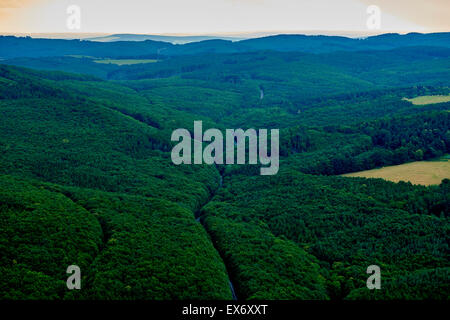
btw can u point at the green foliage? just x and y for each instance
(337, 149)
(427, 282)
(43, 232)
(86, 176)
(263, 266)
(346, 225)
(153, 249)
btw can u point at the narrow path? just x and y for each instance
(198, 219)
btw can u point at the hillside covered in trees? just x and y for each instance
(86, 176)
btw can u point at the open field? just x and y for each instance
(420, 172)
(418, 101)
(121, 62)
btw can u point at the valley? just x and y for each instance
(87, 179)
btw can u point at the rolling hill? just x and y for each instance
(86, 175)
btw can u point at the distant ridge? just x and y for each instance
(13, 47)
(170, 39)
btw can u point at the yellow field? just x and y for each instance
(419, 101)
(121, 62)
(420, 172)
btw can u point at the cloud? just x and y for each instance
(216, 16)
(12, 4)
(11, 13)
(18, 4)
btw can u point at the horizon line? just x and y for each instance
(249, 34)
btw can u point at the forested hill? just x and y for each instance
(12, 47)
(85, 181)
(86, 176)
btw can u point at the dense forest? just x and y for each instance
(86, 176)
(30, 47)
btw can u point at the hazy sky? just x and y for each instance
(222, 16)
